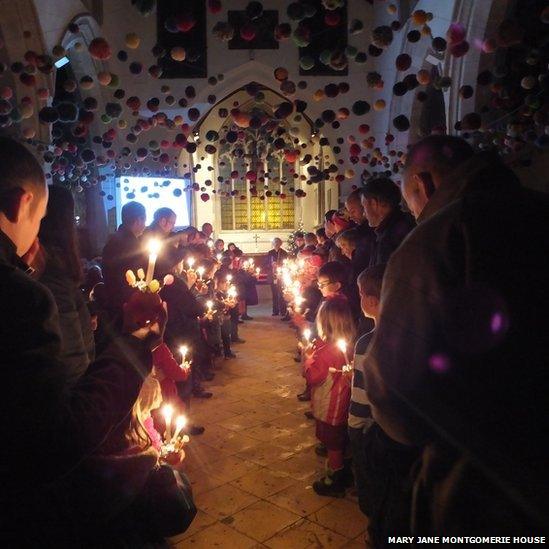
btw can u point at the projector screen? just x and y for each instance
(154, 193)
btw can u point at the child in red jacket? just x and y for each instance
(331, 389)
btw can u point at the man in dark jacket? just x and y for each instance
(43, 423)
(173, 249)
(275, 259)
(458, 364)
(122, 252)
(381, 200)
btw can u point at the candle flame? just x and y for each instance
(167, 412)
(180, 422)
(154, 246)
(183, 350)
(209, 304)
(229, 278)
(307, 334)
(200, 270)
(342, 344)
(190, 262)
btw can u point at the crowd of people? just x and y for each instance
(99, 370)
(434, 419)
(418, 337)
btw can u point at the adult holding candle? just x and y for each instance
(161, 228)
(123, 251)
(183, 325)
(275, 259)
(64, 424)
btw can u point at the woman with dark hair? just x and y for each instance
(62, 274)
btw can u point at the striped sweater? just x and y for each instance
(360, 415)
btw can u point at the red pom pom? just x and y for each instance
(99, 49)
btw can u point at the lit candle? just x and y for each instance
(342, 344)
(183, 350)
(200, 272)
(229, 278)
(153, 246)
(209, 304)
(307, 336)
(219, 257)
(210, 244)
(167, 412)
(257, 271)
(232, 292)
(180, 423)
(190, 262)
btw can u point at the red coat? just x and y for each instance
(169, 372)
(330, 392)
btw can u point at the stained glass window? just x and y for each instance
(243, 211)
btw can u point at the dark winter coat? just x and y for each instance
(77, 343)
(389, 234)
(183, 312)
(275, 259)
(122, 252)
(458, 364)
(46, 427)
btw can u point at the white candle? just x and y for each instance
(190, 262)
(183, 350)
(180, 422)
(342, 344)
(219, 257)
(167, 412)
(200, 272)
(153, 247)
(209, 304)
(229, 278)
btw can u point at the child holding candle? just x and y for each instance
(330, 391)
(224, 304)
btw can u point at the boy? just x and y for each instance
(332, 278)
(360, 417)
(381, 465)
(224, 304)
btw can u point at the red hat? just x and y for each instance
(340, 221)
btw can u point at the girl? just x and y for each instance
(330, 390)
(141, 433)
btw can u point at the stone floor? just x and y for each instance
(253, 467)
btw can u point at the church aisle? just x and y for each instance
(252, 469)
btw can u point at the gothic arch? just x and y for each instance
(317, 194)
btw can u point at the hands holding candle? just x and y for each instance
(185, 364)
(210, 311)
(172, 445)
